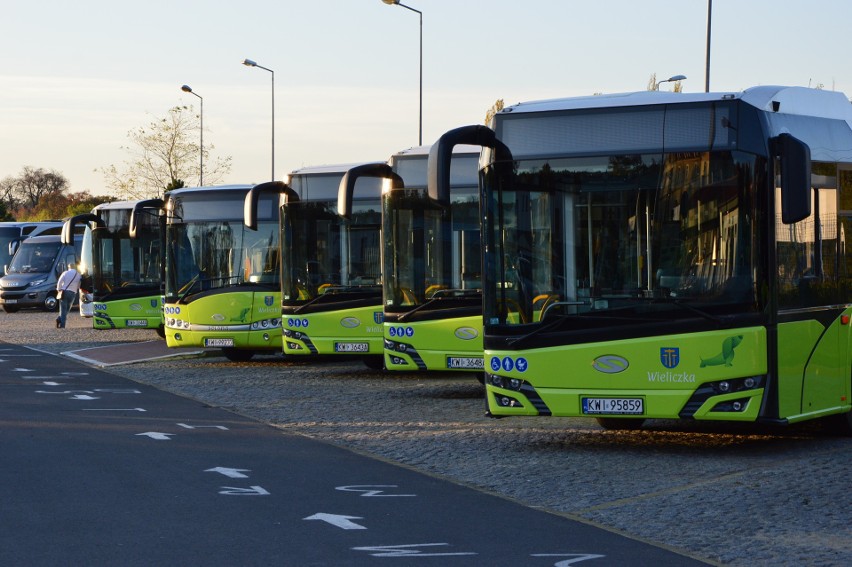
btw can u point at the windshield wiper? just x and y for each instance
(438, 296)
(189, 285)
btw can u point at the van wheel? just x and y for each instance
(11, 308)
(50, 303)
(620, 424)
(237, 354)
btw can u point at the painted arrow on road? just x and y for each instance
(156, 435)
(230, 473)
(341, 522)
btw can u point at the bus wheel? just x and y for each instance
(840, 424)
(161, 331)
(620, 424)
(237, 354)
(375, 362)
(11, 308)
(50, 303)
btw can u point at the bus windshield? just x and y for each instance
(621, 240)
(122, 266)
(430, 251)
(208, 255)
(327, 253)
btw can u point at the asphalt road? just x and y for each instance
(101, 470)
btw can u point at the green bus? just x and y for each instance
(331, 293)
(432, 266)
(222, 280)
(124, 267)
(668, 255)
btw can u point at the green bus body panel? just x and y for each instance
(814, 368)
(116, 314)
(692, 360)
(435, 343)
(325, 329)
(245, 317)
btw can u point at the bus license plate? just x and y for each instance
(10, 300)
(218, 342)
(471, 362)
(351, 347)
(137, 322)
(614, 406)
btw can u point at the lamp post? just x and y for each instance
(669, 80)
(397, 2)
(250, 63)
(707, 56)
(188, 89)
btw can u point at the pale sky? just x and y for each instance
(75, 77)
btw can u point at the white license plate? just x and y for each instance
(9, 300)
(472, 362)
(614, 406)
(137, 322)
(351, 347)
(218, 342)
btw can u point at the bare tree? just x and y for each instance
(164, 153)
(30, 187)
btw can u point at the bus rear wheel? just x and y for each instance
(620, 424)
(237, 354)
(11, 308)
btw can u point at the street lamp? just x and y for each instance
(188, 89)
(669, 80)
(397, 2)
(250, 63)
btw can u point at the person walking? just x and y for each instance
(66, 292)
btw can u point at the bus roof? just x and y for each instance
(326, 169)
(790, 100)
(234, 187)
(423, 151)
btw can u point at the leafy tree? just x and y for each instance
(4, 213)
(495, 108)
(23, 193)
(162, 154)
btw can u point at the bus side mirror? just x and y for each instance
(795, 179)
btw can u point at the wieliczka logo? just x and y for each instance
(670, 356)
(379, 317)
(268, 300)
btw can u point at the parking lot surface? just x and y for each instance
(729, 494)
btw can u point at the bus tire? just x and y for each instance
(237, 354)
(376, 362)
(11, 308)
(161, 331)
(620, 424)
(840, 424)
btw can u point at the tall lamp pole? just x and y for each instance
(672, 79)
(188, 89)
(707, 58)
(397, 2)
(250, 63)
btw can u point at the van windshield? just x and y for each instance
(34, 258)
